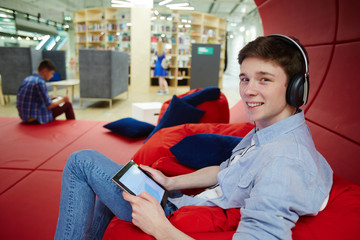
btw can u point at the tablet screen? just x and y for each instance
(133, 180)
(138, 182)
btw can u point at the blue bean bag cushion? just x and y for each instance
(130, 127)
(205, 94)
(178, 112)
(204, 149)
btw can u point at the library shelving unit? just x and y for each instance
(103, 29)
(179, 30)
(110, 28)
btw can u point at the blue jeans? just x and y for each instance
(89, 197)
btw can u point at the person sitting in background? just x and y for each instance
(159, 70)
(33, 101)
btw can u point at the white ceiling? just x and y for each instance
(233, 10)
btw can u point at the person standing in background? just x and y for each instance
(159, 70)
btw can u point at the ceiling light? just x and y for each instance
(128, 5)
(182, 8)
(119, 2)
(178, 5)
(164, 2)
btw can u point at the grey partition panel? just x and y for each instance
(16, 64)
(59, 59)
(119, 72)
(103, 73)
(205, 65)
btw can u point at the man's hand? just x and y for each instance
(57, 101)
(158, 176)
(150, 217)
(66, 99)
(147, 213)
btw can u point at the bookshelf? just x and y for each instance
(110, 29)
(186, 28)
(102, 29)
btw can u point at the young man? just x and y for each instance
(274, 175)
(33, 101)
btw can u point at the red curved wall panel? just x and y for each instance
(337, 105)
(320, 61)
(329, 31)
(313, 22)
(348, 29)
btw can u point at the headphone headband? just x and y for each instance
(292, 42)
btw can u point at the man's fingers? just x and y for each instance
(148, 197)
(144, 196)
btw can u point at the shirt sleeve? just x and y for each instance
(43, 93)
(278, 196)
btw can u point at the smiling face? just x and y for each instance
(263, 91)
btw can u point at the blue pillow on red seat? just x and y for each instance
(178, 112)
(205, 94)
(204, 149)
(130, 127)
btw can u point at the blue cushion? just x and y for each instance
(204, 149)
(206, 94)
(56, 77)
(178, 112)
(130, 127)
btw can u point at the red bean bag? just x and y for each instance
(216, 111)
(339, 220)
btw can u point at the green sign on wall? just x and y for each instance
(205, 50)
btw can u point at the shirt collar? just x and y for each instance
(38, 76)
(279, 128)
(267, 134)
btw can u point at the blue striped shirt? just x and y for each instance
(282, 177)
(33, 99)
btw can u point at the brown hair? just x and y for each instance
(288, 57)
(46, 64)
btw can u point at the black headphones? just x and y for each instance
(298, 89)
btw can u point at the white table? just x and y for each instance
(69, 84)
(146, 111)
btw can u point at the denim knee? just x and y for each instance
(81, 157)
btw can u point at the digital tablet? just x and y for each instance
(134, 180)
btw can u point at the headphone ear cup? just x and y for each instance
(295, 91)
